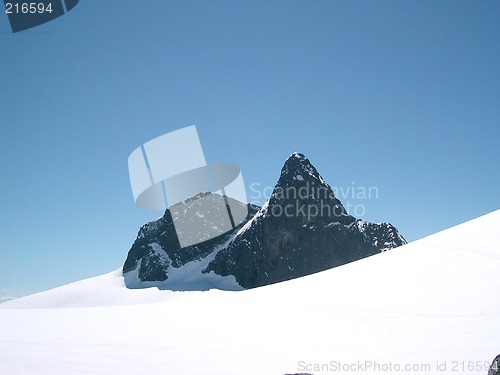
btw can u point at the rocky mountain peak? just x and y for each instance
(303, 228)
(302, 194)
(298, 168)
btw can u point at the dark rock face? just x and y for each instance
(495, 366)
(302, 229)
(157, 248)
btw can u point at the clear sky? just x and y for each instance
(403, 96)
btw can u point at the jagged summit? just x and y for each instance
(298, 170)
(297, 164)
(302, 190)
(303, 228)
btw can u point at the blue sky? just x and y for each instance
(398, 95)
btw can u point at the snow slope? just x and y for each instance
(432, 305)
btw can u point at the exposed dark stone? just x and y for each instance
(153, 264)
(495, 366)
(302, 229)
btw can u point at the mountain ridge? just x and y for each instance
(302, 229)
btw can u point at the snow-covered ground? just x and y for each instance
(433, 305)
